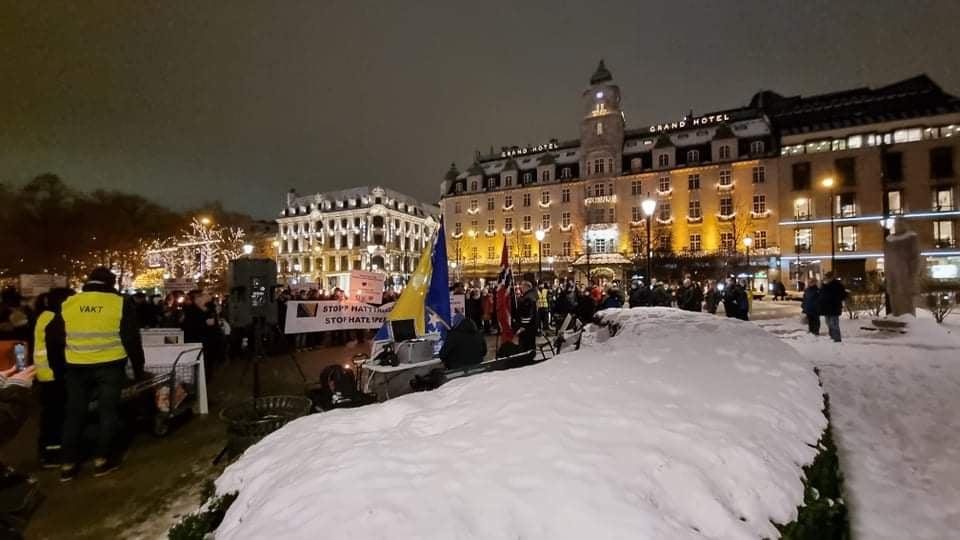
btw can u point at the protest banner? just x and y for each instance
(35, 284)
(178, 285)
(366, 287)
(458, 304)
(327, 315)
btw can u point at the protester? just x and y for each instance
(14, 317)
(832, 295)
(97, 332)
(639, 295)
(611, 298)
(464, 345)
(689, 296)
(50, 379)
(712, 297)
(735, 302)
(543, 307)
(486, 309)
(811, 307)
(528, 325)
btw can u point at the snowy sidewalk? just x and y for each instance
(895, 403)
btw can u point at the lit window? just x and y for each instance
(565, 195)
(527, 252)
(545, 221)
(725, 177)
(693, 182)
(694, 242)
(565, 248)
(894, 202)
(474, 205)
(907, 135)
(760, 239)
(457, 229)
(490, 203)
(759, 204)
(526, 199)
(491, 225)
(508, 224)
(726, 241)
(694, 209)
(664, 184)
(545, 249)
(838, 144)
(845, 205)
(801, 209)
(802, 240)
(943, 234)
(726, 205)
(507, 201)
(635, 214)
(663, 209)
(565, 219)
(847, 238)
(635, 187)
(491, 253)
(759, 175)
(457, 207)
(943, 199)
(545, 197)
(527, 220)
(599, 128)
(664, 241)
(854, 142)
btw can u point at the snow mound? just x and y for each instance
(681, 425)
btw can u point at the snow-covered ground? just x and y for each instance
(895, 404)
(680, 426)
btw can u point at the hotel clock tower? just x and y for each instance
(601, 128)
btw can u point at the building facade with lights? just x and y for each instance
(323, 236)
(720, 180)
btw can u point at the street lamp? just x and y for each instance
(747, 242)
(248, 249)
(540, 236)
(649, 206)
(370, 249)
(796, 233)
(205, 220)
(828, 183)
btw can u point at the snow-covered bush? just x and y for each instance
(681, 425)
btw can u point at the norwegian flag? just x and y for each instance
(505, 295)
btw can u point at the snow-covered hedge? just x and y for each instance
(681, 425)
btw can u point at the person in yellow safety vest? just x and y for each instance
(96, 331)
(543, 307)
(53, 391)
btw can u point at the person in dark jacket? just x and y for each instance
(105, 376)
(612, 299)
(660, 296)
(50, 379)
(735, 302)
(832, 295)
(811, 307)
(712, 297)
(585, 307)
(464, 345)
(689, 296)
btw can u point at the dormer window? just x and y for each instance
(565, 173)
(473, 185)
(508, 180)
(545, 176)
(757, 147)
(491, 183)
(693, 156)
(600, 108)
(599, 128)
(724, 151)
(527, 178)
(459, 188)
(663, 160)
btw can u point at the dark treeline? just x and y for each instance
(47, 226)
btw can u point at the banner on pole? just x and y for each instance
(366, 287)
(327, 315)
(458, 304)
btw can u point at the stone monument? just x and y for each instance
(902, 264)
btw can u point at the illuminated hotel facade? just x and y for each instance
(721, 180)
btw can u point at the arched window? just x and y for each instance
(663, 160)
(757, 147)
(725, 152)
(693, 156)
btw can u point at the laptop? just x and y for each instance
(403, 330)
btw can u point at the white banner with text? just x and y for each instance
(324, 316)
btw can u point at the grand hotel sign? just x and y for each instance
(687, 121)
(532, 149)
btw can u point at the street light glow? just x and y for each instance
(748, 241)
(540, 235)
(828, 182)
(205, 220)
(247, 249)
(649, 206)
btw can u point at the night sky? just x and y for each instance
(184, 102)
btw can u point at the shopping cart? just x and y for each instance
(170, 392)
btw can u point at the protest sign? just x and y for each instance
(323, 316)
(366, 287)
(179, 284)
(458, 304)
(35, 284)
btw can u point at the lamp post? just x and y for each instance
(828, 183)
(540, 236)
(248, 249)
(796, 234)
(370, 249)
(747, 242)
(473, 248)
(649, 206)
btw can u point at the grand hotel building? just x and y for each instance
(751, 172)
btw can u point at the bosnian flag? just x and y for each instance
(505, 296)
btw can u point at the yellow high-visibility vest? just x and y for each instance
(92, 322)
(44, 373)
